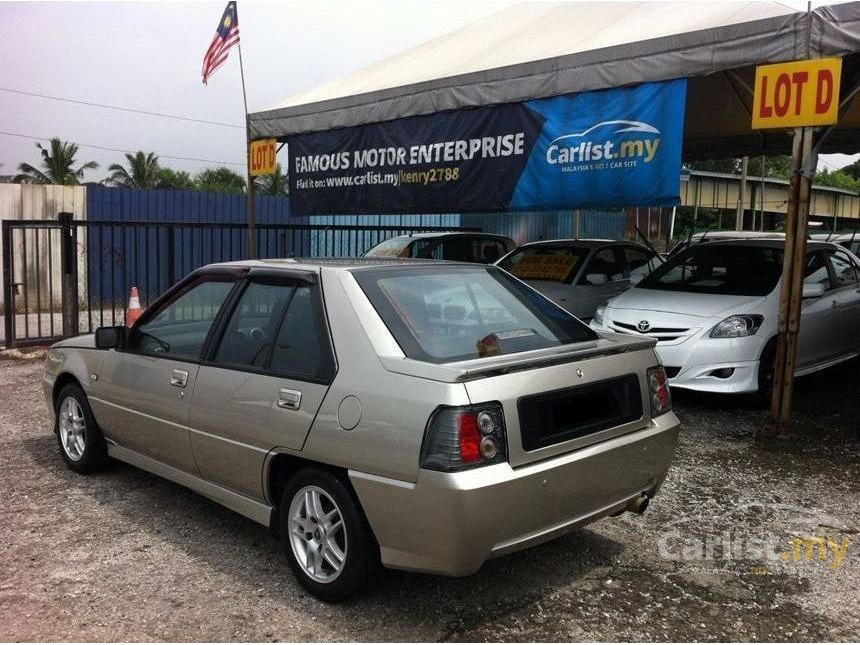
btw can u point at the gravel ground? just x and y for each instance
(126, 556)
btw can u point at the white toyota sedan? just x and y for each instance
(713, 309)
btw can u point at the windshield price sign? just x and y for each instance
(264, 157)
(802, 93)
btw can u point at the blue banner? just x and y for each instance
(609, 148)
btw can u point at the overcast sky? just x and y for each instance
(148, 56)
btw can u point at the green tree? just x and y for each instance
(836, 178)
(778, 166)
(174, 179)
(853, 169)
(728, 166)
(142, 171)
(276, 185)
(220, 180)
(57, 167)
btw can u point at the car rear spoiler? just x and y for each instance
(472, 369)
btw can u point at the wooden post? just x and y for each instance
(794, 263)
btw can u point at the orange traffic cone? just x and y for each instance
(134, 310)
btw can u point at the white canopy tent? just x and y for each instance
(538, 50)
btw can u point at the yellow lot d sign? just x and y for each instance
(802, 93)
(264, 157)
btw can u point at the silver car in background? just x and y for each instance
(428, 414)
(580, 275)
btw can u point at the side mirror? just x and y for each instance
(813, 290)
(111, 337)
(596, 279)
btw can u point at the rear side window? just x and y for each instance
(458, 313)
(301, 346)
(844, 271)
(545, 262)
(640, 263)
(603, 267)
(279, 329)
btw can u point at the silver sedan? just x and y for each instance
(430, 415)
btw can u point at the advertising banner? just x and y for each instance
(609, 148)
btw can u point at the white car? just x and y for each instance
(580, 275)
(713, 309)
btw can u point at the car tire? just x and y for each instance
(327, 539)
(82, 444)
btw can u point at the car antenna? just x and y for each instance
(649, 245)
(704, 235)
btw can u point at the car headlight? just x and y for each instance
(737, 326)
(598, 315)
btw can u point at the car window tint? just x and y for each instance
(248, 335)
(844, 271)
(639, 263)
(457, 313)
(815, 271)
(602, 267)
(725, 269)
(545, 262)
(452, 248)
(486, 251)
(181, 327)
(301, 349)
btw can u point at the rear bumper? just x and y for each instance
(451, 523)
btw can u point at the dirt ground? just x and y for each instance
(126, 556)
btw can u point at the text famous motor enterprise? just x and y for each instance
(505, 145)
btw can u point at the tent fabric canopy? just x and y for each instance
(538, 50)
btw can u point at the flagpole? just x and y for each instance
(252, 219)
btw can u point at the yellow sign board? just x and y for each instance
(802, 93)
(544, 267)
(264, 157)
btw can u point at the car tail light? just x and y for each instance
(457, 438)
(658, 384)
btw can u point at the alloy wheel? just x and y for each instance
(72, 428)
(317, 534)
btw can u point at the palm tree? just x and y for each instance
(276, 185)
(142, 172)
(57, 165)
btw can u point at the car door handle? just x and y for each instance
(289, 399)
(179, 378)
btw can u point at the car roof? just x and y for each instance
(591, 242)
(432, 234)
(335, 264)
(767, 241)
(738, 235)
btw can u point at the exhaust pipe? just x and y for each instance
(638, 504)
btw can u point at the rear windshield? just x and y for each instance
(451, 313)
(545, 262)
(720, 269)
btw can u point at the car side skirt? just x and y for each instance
(252, 509)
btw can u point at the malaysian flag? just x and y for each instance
(226, 35)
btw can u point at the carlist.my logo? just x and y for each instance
(608, 144)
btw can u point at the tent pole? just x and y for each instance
(742, 195)
(794, 262)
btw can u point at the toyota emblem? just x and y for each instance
(643, 325)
